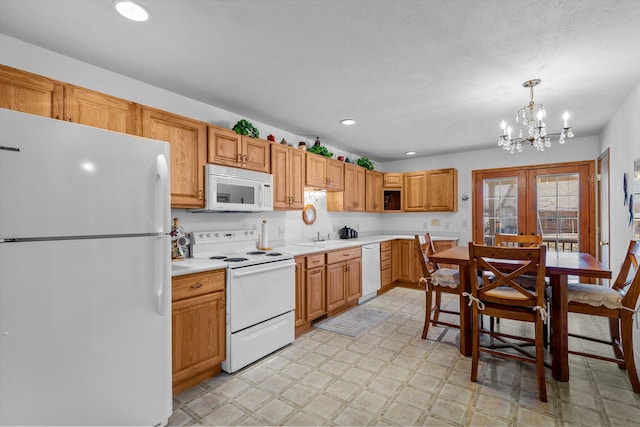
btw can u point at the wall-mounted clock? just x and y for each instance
(309, 214)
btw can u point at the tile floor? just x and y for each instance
(390, 376)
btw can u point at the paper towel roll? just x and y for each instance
(264, 239)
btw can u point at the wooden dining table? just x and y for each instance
(559, 265)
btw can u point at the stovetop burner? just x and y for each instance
(236, 259)
(218, 257)
(256, 253)
(273, 254)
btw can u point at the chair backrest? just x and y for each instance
(424, 249)
(518, 240)
(508, 265)
(627, 282)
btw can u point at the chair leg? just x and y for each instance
(475, 347)
(436, 309)
(614, 328)
(542, 387)
(627, 348)
(427, 314)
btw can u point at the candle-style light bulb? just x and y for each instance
(509, 131)
(503, 126)
(565, 117)
(540, 115)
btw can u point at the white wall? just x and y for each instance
(622, 137)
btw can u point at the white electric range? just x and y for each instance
(260, 294)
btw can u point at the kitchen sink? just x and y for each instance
(326, 244)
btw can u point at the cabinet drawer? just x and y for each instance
(315, 260)
(385, 246)
(197, 284)
(386, 264)
(343, 255)
(385, 255)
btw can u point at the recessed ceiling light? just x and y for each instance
(410, 153)
(132, 10)
(348, 122)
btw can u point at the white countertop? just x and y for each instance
(194, 265)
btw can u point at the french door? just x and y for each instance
(555, 200)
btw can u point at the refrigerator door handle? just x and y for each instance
(163, 185)
(163, 281)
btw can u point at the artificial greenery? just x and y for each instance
(320, 149)
(365, 163)
(244, 127)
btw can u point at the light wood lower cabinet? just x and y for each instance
(310, 290)
(385, 265)
(301, 306)
(408, 267)
(443, 245)
(316, 293)
(344, 279)
(197, 327)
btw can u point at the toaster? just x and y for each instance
(348, 233)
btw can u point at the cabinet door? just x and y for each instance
(316, 300)
(198, 335)
(354, 188)
(301, 294)
(256, 154)
(296, 178)
(353, 276)
(373, 191)
(443, 245)
(30, 93)
(442, 190)
(280, 164)
(392, 180)
(90, 108)
(316, 174)
(224, 147)
(334, 171)
(335, 286)
(188, 140)
(395, 260)
(415, 192)
(408, 261)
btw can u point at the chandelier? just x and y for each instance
(532, 117)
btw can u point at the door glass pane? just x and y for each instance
(558, 213)
(500, 207)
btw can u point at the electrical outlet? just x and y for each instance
(435, 222)
(281, 230)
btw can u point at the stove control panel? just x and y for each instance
(223, 236)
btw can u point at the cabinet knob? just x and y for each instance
(196, 286)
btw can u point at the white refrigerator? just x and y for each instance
(85, 320)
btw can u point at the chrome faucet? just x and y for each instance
(319, 239)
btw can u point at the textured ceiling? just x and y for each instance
(427, 76)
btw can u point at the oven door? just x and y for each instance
(260, 292)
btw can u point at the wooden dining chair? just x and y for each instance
(505, 298)
(618, 303)
(436, 280)
(526, 280)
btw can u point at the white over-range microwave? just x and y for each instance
(237, 190)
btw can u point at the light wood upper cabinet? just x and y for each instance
(334, 172)
(225, 147)
(30, 93)
(316, 173)
(373, 191)
(352, 199)
(392, 180)
(431, 191)
(188, 141)
(288, 166)
(442, 190)
(96, 109)
(415, 191)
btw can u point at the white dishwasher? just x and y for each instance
(370, 271)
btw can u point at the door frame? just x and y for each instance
(603, 159)
(527, 174)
